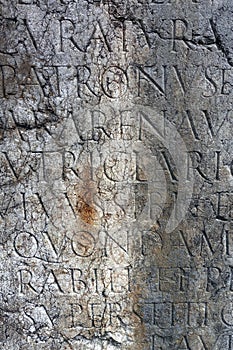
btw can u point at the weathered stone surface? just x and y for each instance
(116, 175)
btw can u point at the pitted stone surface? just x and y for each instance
(116, 175)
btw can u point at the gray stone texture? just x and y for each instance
(116, 175)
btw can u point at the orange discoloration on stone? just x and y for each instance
(139, 330)
(85, 192)
(86, 211)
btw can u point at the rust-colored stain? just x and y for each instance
(85, 193)
(86, 211)
(139, 330)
